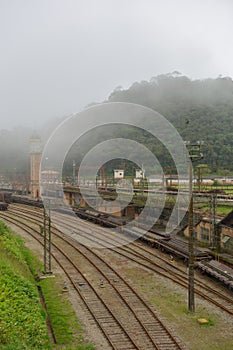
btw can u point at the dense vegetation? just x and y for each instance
(22, 318)
(199, 109)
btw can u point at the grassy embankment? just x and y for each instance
(221, 209)
(22, 318)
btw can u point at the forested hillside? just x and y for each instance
(199, 109)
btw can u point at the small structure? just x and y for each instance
(65, 288)
(204, 231)
(202, 321)
(140, 174)
(50, 176)
(226, 229)
(118, 174)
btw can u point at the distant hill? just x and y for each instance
(199, 109)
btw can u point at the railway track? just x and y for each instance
(143, 256)
(123, 316)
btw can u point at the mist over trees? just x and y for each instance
(199, 109)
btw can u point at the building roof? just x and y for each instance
(228, 220)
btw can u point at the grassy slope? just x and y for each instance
(22, 318)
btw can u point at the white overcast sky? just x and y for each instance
(56, 56)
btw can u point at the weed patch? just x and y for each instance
(22, 318)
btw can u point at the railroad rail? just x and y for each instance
(146, 258)
(152, 333)
(154, 238)
(164, 242)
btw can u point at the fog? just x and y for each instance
(199, 110)
(58, 56)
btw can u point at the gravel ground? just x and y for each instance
(170, 302)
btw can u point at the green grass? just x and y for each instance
(22, 318)
(220, 210)
(66, 328)
(224, 209)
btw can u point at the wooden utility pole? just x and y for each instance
(191, 301)
(199, 178)
(194, 155)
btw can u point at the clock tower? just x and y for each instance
(35, 159)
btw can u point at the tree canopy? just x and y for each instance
(199, 109)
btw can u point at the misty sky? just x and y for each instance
(59, 55)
